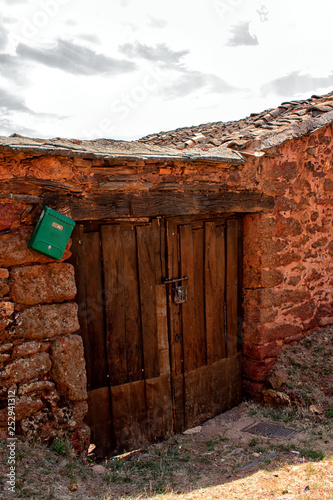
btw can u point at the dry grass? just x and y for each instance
(221, 461)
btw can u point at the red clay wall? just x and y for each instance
(288, 265)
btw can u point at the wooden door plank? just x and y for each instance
(129, 415)
(146, 244)
(95, 310)
(131, 304)
(221, 289)
(176, 341)
(219, 393)
(211, 296)
(199, 251)
(77, 259)
(113, 259)
(207, 392)
(175, 329)
(158, 229)
(100, 421)
(162, 330)
(192, 265)
(197, 396)
(232, 285)
(178, 402)
(159, 407)
(190, 324)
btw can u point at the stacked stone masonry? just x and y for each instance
(41, 354)
(288, 285)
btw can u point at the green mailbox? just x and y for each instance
(51, 233)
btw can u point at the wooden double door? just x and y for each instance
(159, 303)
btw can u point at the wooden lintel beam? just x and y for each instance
(20, 198)
(153, 204)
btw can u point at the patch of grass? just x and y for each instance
(62, 446)
(116, 464)
(210, 445)
(277, 415)
(313, 455)
(308, 342)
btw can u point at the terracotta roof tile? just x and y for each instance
(228, 142)
(288, 121)
(111, 149)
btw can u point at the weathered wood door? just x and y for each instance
(204, 330)
(153, 365)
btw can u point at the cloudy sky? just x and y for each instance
(123, 68)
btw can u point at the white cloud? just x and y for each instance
(125, 68)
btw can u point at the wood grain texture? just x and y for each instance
(191, 252)
(232, 285)
(162, 330)
(95, 310)
(113, 259)
(148, 241)
(132, 333)
(175, 329)
(129, 415)
(211, 294)
(159, 407)
(99, 419)
(220, 298)
(154, 204)
(77, 259)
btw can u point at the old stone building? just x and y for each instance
(192, 250)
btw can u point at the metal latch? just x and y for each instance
(179, 291)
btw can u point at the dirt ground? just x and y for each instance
(219, 459)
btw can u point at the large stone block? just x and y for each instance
(68, 367)
(46, 283)
(257, 370)
(9, 213)
(26, 369)
(263, 297)
(253, 389)
(26, 349)
(304, 312)
(262, 278)
(4, 274)
(6, 309)
(5, 347)
(289, 227)
(261, 352)
(4, 289)
(81, 440)
(265, 334)
(25, 406)
(258, 315)
(40, 322)
(36, 387)
(79, 411)
(14, 249)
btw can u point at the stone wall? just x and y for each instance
(41, 354)
(287, 262)
(288, 265)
